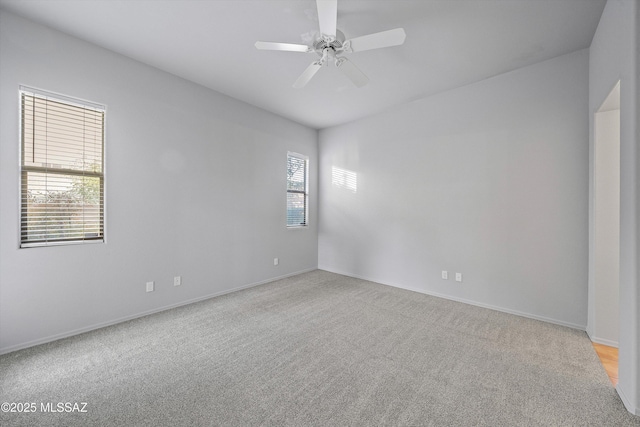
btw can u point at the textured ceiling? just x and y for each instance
(450, 43)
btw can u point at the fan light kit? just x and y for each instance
(330, 44)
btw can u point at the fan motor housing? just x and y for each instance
(320, 44)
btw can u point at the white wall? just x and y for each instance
(614, 56)
(489, 180)
(605, 321)
(195, 187)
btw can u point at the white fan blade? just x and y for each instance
(377, 40)
(289, 47)
(350, 70)
(307, 75)
(327, 16)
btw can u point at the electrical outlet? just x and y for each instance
(149, 286)
(445, 274)
(458, 277)
(177, 281)
(276, 261)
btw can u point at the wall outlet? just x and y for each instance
(149, 286)
(177, 281)
(276, 261)
(445, 274)
(458, 277)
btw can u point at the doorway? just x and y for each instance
(604, 320)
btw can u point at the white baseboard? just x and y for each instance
(602, 341)
(627, 402)
(95, 326)
(463, 300)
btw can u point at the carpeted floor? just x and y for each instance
(317, 349)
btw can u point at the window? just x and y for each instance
(62, 169)
(297, 197)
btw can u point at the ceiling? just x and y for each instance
(450, 43)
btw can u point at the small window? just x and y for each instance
(297, 193)
(62, 169)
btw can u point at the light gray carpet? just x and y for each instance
(318, 349)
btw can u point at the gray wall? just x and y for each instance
(195, 182)
(489, 180)
(614, 56)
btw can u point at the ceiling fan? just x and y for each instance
(330, 44)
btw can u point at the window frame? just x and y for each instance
(305, 192)
(25, 169)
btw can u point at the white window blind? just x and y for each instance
(62, 165)
(297, 204)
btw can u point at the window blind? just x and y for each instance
(62, 165)
(296, 190)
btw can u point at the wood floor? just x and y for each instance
(609, 359)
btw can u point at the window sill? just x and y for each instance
(66, 243)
